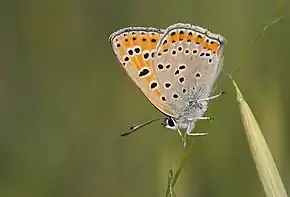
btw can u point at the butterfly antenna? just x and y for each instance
(135, 128)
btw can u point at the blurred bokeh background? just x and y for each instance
(64, 100)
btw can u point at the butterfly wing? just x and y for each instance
(188, 61)
(134, 48)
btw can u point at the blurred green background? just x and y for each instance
(64, 100)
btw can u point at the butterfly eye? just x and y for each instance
(170, 124)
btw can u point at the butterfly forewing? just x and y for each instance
(134, 48)
(187, 63)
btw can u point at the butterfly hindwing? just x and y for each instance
(188, 61)
(135, 48)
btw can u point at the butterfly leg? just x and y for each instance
(183, 139)
(202, 118)
(190, 128)
(197, 134)
(210, 98)
(179, 132)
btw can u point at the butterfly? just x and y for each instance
(176, 69)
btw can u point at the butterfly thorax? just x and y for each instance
(191, 113)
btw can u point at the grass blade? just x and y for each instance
(268, 173)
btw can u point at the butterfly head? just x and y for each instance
(177, 123)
